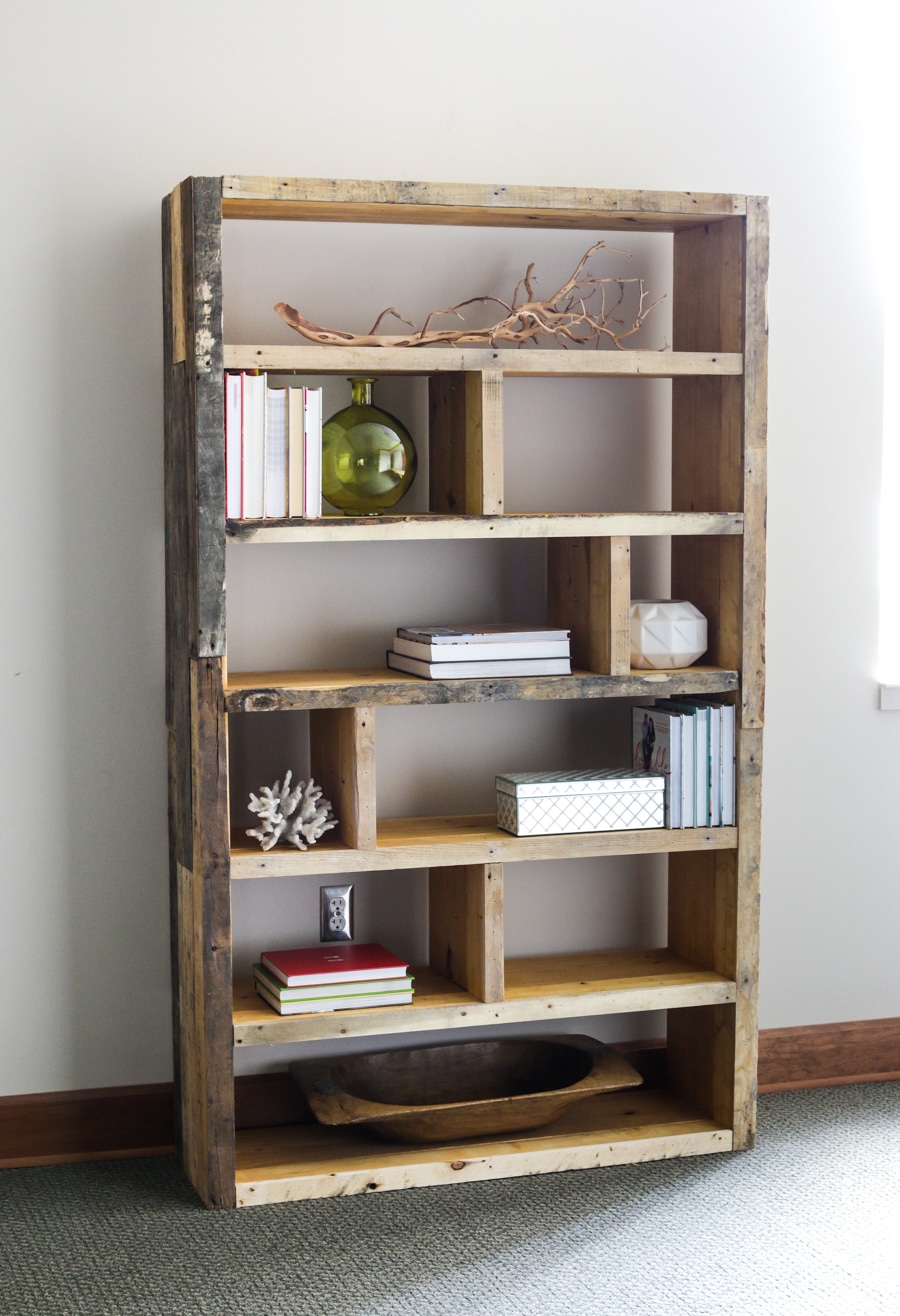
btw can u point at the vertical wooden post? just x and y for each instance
(589, 590)
(466, 442)
(342, 761)
(465, 917)
(718, 454)
(195, 709)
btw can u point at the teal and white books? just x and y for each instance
(712, 738)
(656, 737)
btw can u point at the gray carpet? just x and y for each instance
(807, 1223)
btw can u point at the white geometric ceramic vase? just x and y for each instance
(666, 633)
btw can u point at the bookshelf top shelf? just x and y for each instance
(471, 204)
(510, 362)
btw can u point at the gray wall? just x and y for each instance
(113, 105)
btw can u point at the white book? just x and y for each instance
(688, 760)
(253, 413)
(276, 452)
(490, 633)
(499, 668)
(656, 741)
(332, 1002)
(484, 652)
(714, 712)
(234, 493)
(296, 451)
(312, 429)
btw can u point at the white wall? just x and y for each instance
(107, 108)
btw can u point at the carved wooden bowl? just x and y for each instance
(462, 1089)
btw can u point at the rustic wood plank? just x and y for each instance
(377, 201)
(174, 259)
(311, 359)
(589, 591)
(342, 761)
(519, 525)
(266, 692)
(466, 443)
(545, 987)
(205, 919)
(437, 842)
(305, 1161)
(465, 922)
(756, 337)
(203, 277)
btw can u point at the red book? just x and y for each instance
(333, 963)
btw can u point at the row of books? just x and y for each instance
(439, 653)
(692, 743)
(336, 976)
(273, 449)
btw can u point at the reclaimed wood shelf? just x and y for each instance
(511, 363)
(511, 525)
(402, 843)
(706, 978)
(269, 692)
(298, 1161)
(547, 987)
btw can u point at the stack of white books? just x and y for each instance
(439, 653)
(273, 449)
(332, 977)
(692, 743)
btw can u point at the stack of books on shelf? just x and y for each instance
(692, 742)
(332, 977)
(273, 449)
(439, 653)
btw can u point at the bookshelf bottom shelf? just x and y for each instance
(300, 1161)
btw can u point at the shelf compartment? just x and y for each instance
(270, 692)
(474, 839)
(301, 1161)
(547, 987)
(512, 363)
(511, 525)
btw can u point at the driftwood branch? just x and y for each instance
(565, 317)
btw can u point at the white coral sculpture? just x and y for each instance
(297, 816)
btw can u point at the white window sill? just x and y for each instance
(890, 698)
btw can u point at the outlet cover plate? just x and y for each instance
(336, 913)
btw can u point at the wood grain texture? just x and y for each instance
(309, 359)
(520, 525)
(465, 469)
(829, 1055)
(405, 202)
(755, 387)
(548, 987)
(437, 842)
(305, 1161)
(465, 927)
(207, 1104)
(267, 692)
(204, 364)
(342, 762)
(589, 591)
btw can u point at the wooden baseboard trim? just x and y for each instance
(829, 1055)
(102, 1124)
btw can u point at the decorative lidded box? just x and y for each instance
(596, 800)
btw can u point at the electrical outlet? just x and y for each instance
(336, 913)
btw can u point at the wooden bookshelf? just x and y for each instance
(705, 978)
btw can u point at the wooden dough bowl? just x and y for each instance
(462, 1089)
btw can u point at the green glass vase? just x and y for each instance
(368, 457)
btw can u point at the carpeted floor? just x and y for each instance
(809, 1222)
